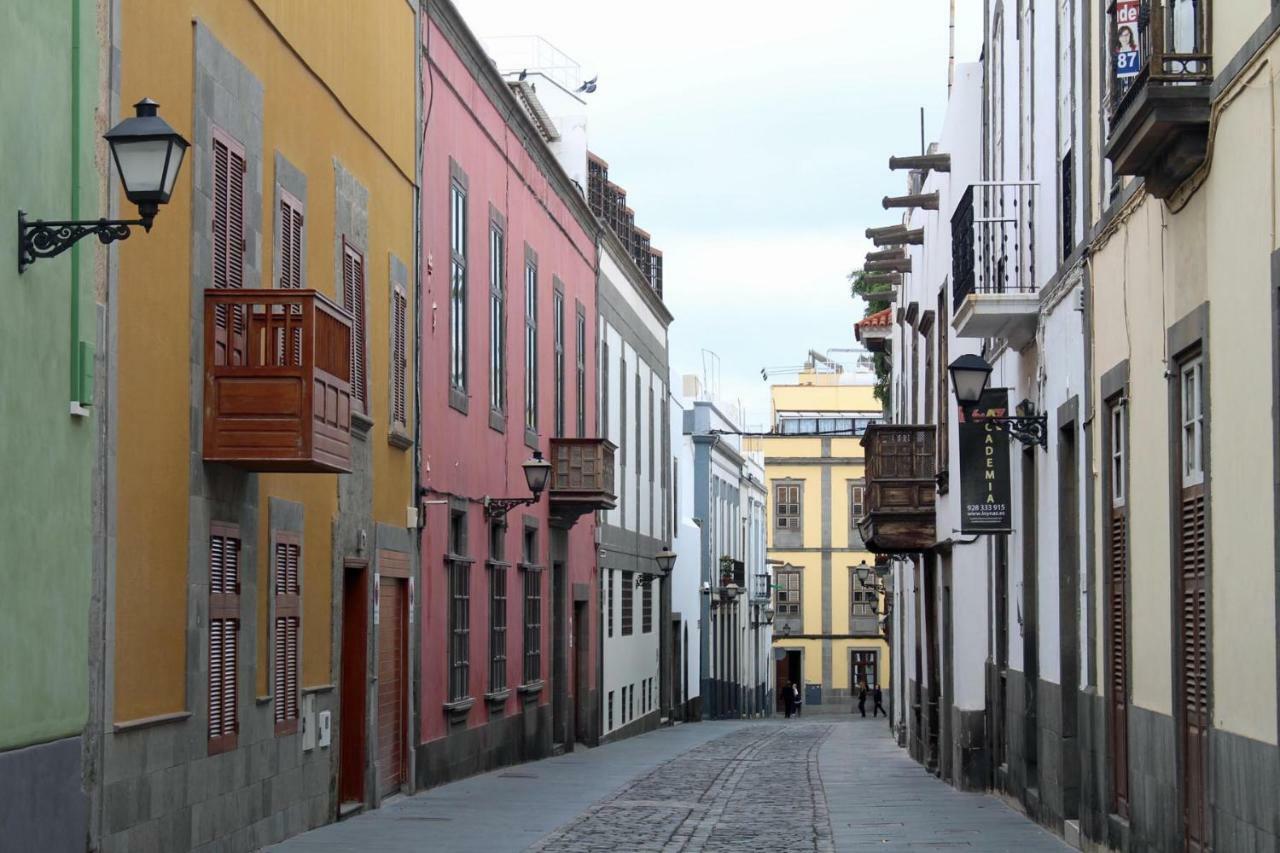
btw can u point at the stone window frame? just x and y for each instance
(530, 347)
(499, 628)
(557, 356)
(780, 576)
(458, 567)
(532, 601)
(792, 535)
(498, 353)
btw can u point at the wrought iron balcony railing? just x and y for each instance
(993, 240)
(1166, 42)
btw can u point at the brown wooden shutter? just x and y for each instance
(399, 358)
(392, 688)
(229, 167)
(224, 635)
(290, 241)
(1118, 678)
(1194, 627)
(287, 598)
(353, 302)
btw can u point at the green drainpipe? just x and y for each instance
(76, 395)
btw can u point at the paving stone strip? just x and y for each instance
(756, 788)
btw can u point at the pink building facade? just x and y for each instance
(508, 637)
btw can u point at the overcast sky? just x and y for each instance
(753, 140)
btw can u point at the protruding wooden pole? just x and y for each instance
(886, 255)
(924, 201)
(900, 265)
(926, 162)
(900, 238)
(886, 231)
(891, 278)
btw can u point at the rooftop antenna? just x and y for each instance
(922, 151)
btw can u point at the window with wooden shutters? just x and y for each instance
(786, 507)
(229, 166)
(290, 241)
(1193, 604)
(628, 603)
(1118, 608)
(353, 297)
(224, 636)
(286, 591)
(787, 601)
(399, 357)
(646, 608)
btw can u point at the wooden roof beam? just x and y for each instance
(899, 265)
(924, 201)
(924, 162)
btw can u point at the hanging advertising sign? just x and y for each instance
(1128, 61)
(984, 466)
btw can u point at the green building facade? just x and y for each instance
(54, 161)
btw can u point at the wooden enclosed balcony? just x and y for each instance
(1159, 90)
(277, 386)
(581, 476)
(899, 515)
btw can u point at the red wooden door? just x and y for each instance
(392, 619)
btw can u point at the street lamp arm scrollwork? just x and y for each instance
(48, 239)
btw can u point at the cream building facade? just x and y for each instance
(827, 625)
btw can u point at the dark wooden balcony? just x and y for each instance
(1159, 91)
(581, 476)
(277, 386)
(899, 515)
(993, 269)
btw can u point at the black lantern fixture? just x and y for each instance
(537, 471)
(969, 377)
(148, 154)
(666, 560)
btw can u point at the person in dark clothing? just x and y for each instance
(862, 698)
(798, 698)
(878, 698)
(788, 700)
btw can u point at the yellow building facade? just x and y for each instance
(827, 633)
(231, 588)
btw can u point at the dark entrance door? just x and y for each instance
(581, 650)
(864, 666)
(1031, 624)
(352, 680)
(559, 657)
(933, 694)
(393, 620)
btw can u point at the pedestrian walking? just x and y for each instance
(862, 697)
(788, 700)
(878, 698)
(799, 698)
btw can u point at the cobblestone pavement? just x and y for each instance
(756, 788)
(825, 783)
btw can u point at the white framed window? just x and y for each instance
(1119, 449)
(1191, 383)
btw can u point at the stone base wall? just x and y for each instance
(970, 755)
(43, 805)
(516, 738)
(162, 791)
(646, 723)
(1245, 793)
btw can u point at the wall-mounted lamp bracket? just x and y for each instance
(48, 239)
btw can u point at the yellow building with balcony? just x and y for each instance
(827, 634)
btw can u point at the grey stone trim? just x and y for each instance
(1245, 812)
(1069, 413)
(530, 257)
(351, 225)
(1275, 453)
(293, 181)
(1115, 380)
(1127, 191)
(1191, 330)
(42, 803)
(1155, 820)
(829, 461)
(827, 663)
(615, 311)
(458, 176)
(1265, 32)
(285, 515)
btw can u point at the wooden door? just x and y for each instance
(392, 619)
(352, 685)
(581, 676)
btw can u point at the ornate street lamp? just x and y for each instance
(666, 560)
(536, 473)
(969, 376)
(148, 154)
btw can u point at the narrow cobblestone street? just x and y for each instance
(823, 784)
